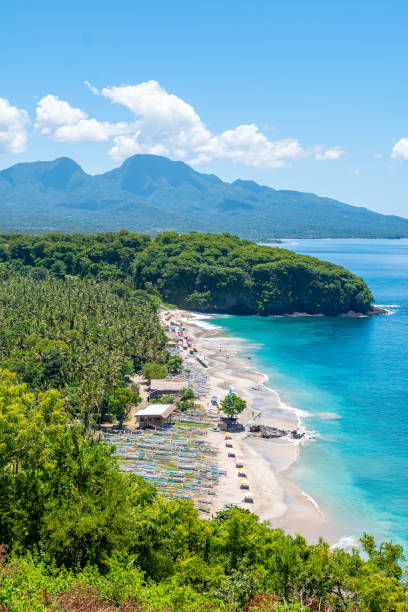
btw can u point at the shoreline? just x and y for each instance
(266, 461)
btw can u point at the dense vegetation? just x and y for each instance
(76, 533)
(77, 313)
(206, 272)
(76, 335)
(85, 536)
(153, 194)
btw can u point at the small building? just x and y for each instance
(155, 414)
(164, 386)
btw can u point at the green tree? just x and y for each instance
(154, 370)
(175, 363)
(233, 405)
(118, 401)
(386, 558)
(207, 272)
(55, 366)
(61, 492)
(127, 368)
(163, 399)
(187, 394)
(77, 336)
(82, 531)
(184, 405)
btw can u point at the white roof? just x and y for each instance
(155, 410)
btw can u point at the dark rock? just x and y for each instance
(376, 310)
(267, 432)
(264, 431)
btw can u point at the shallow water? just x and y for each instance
(351, 376)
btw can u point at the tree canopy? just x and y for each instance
(205, 272)
(233, 405)
(76, 315)
(81, 534)
(76, 335)
(119, 399)
(154, 370)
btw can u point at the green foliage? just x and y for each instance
(75, 335)
(386, 558)
(222, 273)
(186, 400)
(83, 534)
(175, 364)
(187, 394)
(206, 272)
(154, 370)
(163, 399)
(184, 405)
(118, 401)
(232, 405)
(127, 368)
(81, 531)
(60, 491)
(27, 583)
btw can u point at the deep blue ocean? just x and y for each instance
(350, 375)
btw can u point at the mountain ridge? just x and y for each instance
(149, 193)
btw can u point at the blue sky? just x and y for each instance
(296, 95)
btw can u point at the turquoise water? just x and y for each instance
(351, 376)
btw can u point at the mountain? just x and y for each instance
(148, 193)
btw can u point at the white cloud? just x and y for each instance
(355, 172)
(59, 120)
(13, 133)
(53, 113)
(167, 125)
(324, 154)
(164, 124)
(247, 145)
(400, 150)
(94, 90)
(90, 130)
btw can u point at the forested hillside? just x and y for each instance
(205, 272)
(149, 193)
(76, 533)
(76, 335)
(83, 536)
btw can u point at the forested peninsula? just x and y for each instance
(204, 272)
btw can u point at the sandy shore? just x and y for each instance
(276, 498)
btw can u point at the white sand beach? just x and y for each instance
(275, 498)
